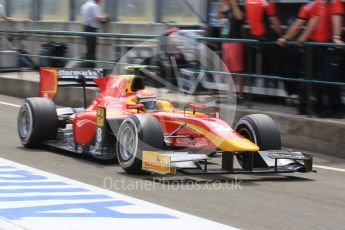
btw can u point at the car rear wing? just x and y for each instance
(52, 78)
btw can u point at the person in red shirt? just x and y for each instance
(265, 26)
(324, 24)
(262, 19)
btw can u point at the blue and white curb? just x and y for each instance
(34, 199)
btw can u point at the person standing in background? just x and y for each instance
(324, 23)
(262, 19)
(323, 19)
(265, 27)
(231, 14)
(91, 17)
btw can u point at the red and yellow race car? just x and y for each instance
(128, 123)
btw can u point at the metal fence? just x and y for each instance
(249, 74)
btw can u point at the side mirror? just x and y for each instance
(194, 107)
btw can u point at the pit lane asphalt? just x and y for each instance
(296, 201)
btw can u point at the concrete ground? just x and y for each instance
(296, 201)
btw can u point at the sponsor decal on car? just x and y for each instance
(156, 162)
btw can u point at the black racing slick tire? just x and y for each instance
(261, 130)
(37, 121)
(136, 134)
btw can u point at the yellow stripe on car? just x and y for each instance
(224, 144)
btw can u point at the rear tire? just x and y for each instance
(136, 134)
(261, 130)
(37, 121)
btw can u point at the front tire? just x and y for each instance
(136, 134)
(261, 130)
(37, 121)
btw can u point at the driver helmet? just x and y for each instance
(147, 98)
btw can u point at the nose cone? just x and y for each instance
(238, 145)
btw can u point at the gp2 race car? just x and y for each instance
(128, 123)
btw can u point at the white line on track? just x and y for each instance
(9, 104)
(316, 166)
(104, 211)
(329, 168)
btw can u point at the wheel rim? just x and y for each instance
(128, 143)
(25, 122)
